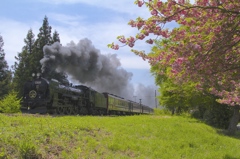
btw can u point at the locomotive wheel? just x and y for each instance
(75, 110)
(65, 110)
(101, 112)
(54, 111)
(51, 111)
(83, 111)
(68, 110)
(60, 110)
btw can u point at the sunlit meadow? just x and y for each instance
(143, 136)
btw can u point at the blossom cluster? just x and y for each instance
(205, 48)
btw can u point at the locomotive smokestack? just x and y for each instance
(85, 64)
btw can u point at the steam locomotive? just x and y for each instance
(50, 96)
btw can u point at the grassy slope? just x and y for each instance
(113, 137)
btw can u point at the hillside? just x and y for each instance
(144, 137)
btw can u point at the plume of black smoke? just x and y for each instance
(85, 64)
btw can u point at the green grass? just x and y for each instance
(143, 137)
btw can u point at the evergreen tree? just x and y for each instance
(56, 37)
(43, 38)
(5, 74)
(23, 67)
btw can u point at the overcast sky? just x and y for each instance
(99, 21)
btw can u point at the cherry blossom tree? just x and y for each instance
(205, 48)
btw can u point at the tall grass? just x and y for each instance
(143, 137)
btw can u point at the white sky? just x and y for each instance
(99, 21)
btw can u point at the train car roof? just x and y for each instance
(84, 87)
(115, 96)
(133, 102)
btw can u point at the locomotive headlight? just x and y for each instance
(38, 74)
(33, 74)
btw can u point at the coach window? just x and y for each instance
(110, 100)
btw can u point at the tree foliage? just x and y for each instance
(179, 98)
(28, 60)
(204, 49)
(43, 38)
(5, 73)
(23, 66)
(10, 103)
(56, 37)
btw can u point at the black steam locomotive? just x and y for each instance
(50, 96)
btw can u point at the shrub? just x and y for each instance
(218, 116)
(162, 112)
(10, 103)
